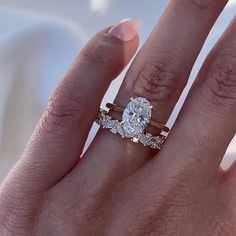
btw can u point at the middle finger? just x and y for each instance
(161, 70)
(159, 73)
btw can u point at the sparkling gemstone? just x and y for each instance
(107, 122)
(114, 126)
(113, 130)
(120, 130)
(136, 115)
(135, 140)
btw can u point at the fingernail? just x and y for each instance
(126, 29)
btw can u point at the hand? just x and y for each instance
(118, 187)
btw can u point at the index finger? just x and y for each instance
(59, 138)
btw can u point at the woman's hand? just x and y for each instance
(119, 187)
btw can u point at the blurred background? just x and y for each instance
(38, 41)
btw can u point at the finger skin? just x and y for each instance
(206, 124)
(159, 73)
(58, 140)
(111, 159)
(227, 182)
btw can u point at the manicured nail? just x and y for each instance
(126, 29)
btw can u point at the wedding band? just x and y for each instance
(115, 107)
(116, 127)
(136, 116)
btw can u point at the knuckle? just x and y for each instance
(13, 218)
(158, 78)
(65, 110)
(221, 81)
(103, 52)
(95, 54)
(203, 4)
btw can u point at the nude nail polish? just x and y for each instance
(126, 30)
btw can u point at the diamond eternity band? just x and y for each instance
(121, 128)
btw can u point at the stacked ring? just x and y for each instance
(115, 107)
(136, 116)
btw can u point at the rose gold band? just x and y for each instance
(114, 107)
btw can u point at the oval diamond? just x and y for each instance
(136, 115)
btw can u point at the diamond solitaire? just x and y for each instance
(136, 115)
